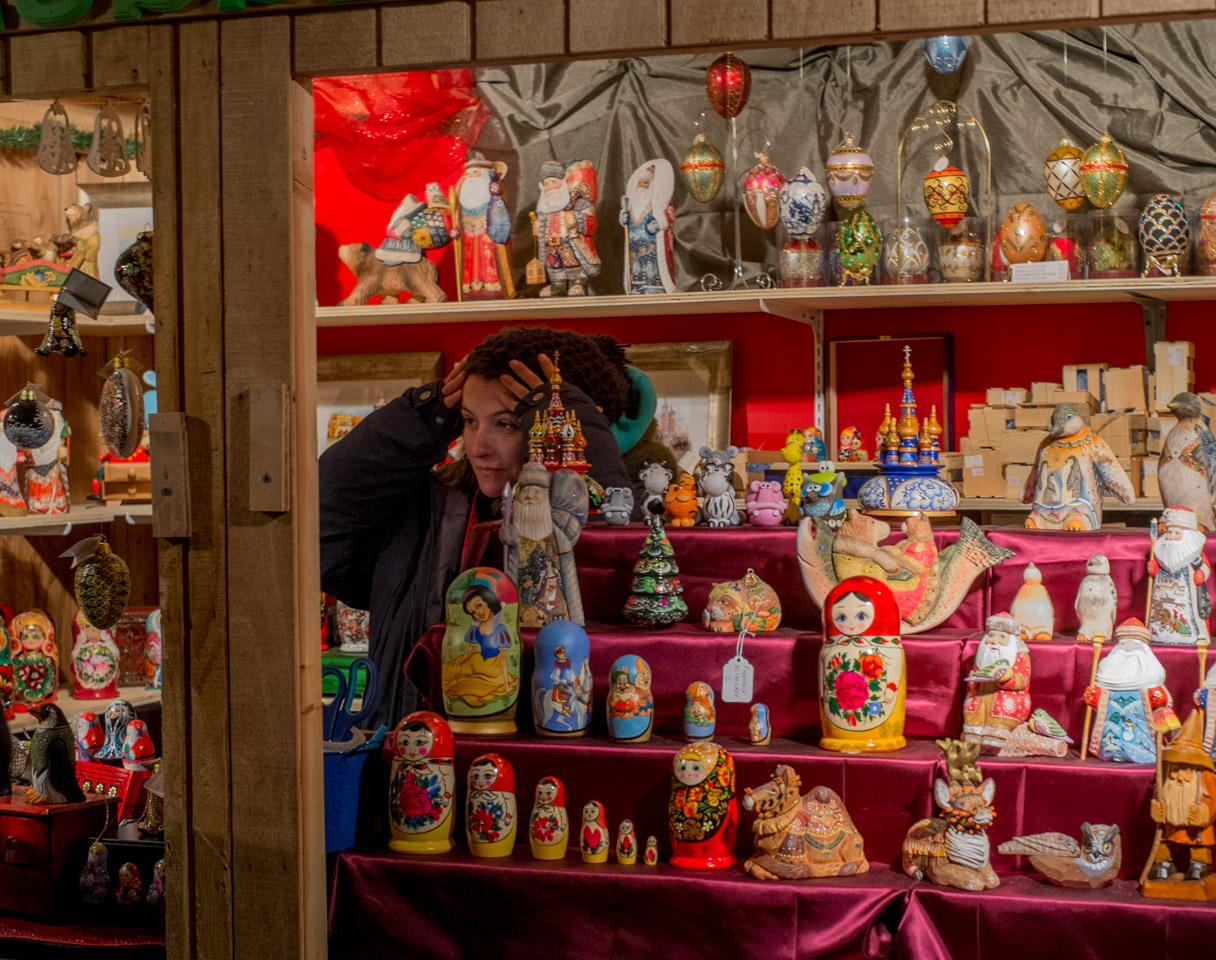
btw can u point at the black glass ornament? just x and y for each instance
(62, 335)
(28, 422)
(133, 269)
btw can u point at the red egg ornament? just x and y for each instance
(761, 193)
(728, 84)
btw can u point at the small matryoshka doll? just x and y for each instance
(651, 856)
(156, 889)
(94, 661)
(422, 785)
(130, 893)
(35, 657)
(89, 735)
(759, 732)
(481, 653)
(95, 877)
(152, 651)
(561, 680)
(137, 746)
(862, 677)
(703, 813)
(593, 839)
(626, 844)
(630, 701)
(118, 714)
(699, 716)
(489, 816)
(549, 829)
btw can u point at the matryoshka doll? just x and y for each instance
(549, 828)
(6, 664)
(118, 714)
(35, 658)
(630, 701)
(481, 653)
(626, 844)
(94, 661)
(86, 728)
(490, 819)
(152, 651)
(593, 839)
(703, 813)
(137, 746)
(561, 680)
(862, 676)
(699, 715)
(651, 856)
(422, 785)
(759, 730)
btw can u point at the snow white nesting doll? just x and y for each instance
(422, 785)
(703, 813)
(490, 819)
(862, 676)
(481, 653)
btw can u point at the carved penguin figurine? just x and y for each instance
(1097, 601)
(1032, 606)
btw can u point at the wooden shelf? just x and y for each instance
(32, 321)
(138, 697)
(80, 516)
(797, 304)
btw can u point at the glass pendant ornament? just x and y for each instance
(946, 54)
(802, 202)
(1206, 254)
(1023, 235)
(728, 84)
(1062, 171)
(1165, 236)
(103, 582)
(1104, 171)
(702, 170)
(133, 269)
(121, 407)
(858, 247)
(761, 192)
(850, 172)
(28, 422)
(947, 193)
(61, 334)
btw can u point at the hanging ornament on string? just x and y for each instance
(103, 582)
(133, 269)
(1104, 171)
(947, 193)
(121, 407)
(728, 84)
(28, 421)
(1062, 171)
(107, 156)
(55, 151)
(79, 292)
(762, 191)
(946, 54)
(850, 173)
(702, 169)
(143, 139)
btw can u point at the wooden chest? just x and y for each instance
(42, 851)
(126, 483)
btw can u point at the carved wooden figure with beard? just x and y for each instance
(1181, 604)
(648, 216)
(482, 225)
(565, 226)
(1184, 808)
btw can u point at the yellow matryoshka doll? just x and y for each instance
(423, 785)
(490, 813)
(481, 653)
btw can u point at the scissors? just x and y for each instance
(337, 717)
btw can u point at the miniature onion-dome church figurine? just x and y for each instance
(1130, 700)
(626, 844)
(1180, 604)
(490, 816)
(853, 445)
(908, 462)
(649, 219)
(716, 487)
(1186, 471)
(561, 680)
(700, 718)
(862, 674)
(952, 849)
(801, 835)
(1097, 602)
(593, 837)
(759, 727)
(549, 828)
(630, 706)
(703, 813)
(422, 784)
(1032, 606)
(656, 597)
(565, 224)
(1088, 865)
(1072, 471)
(556, 439)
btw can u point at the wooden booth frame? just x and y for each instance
(369, 371)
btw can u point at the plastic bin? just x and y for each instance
(343, 772)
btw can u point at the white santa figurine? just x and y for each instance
(1129, 699)
(1181, 604)
(647, 214)
(1205, 699)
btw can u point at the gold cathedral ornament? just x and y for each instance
(556, 439)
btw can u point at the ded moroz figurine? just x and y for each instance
(1180, 604)
(1186, 471)
(1097, 601)
(565, 227)
(422, 785)
(626, 844)
(481, 227)
(490, 814)
(593, 837)
(549, 828)
(648, 216)
(1032, 606)
(703, 812)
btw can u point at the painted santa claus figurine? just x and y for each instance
(998, 686)
(1181, 603)
(1130, 700)
(648, 216)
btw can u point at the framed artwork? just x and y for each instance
(693, 382)
(123, 210)
(350, 386)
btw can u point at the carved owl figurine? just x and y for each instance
(1092, 863)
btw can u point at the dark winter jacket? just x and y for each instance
(393, 527)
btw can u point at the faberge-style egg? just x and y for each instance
(1062, 171)
(947, 193)
(803, 202)
(761, 189)
(702, 170)
(858, 247)
(728, 84)
(850, 171)
(1103, 172)
(1165, 236)
(1206, 252)
(1023, 235)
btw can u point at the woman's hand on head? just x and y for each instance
(524, 381)
(453, 384)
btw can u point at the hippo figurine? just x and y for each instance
(765, 505)
(717, 487)
(618, 505)
(655, 479)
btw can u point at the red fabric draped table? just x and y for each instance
(20, 937)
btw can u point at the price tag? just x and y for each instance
(737, 680)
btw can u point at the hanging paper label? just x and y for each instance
(1049, 271)
(737, 676)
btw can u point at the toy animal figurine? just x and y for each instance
(156, 889)
(792, 453)
(481, 653)
(655, 479)
(564, 226)
(422, 784)
(1130, 700)
(703, 813)
(1181, 604)
(656, 596)
(862, 674)
(130, 892)
(630, 700)
(1088, 865)
(928, 586)
(953, 849)
(547, 514)
(137, 747)
(1097, 601)
(419, 279)
(801, 836)
(549, 828)
(821, 494)
(759, 729)
(95, 877)
(561, 680)
(35, 657)
(764, 503)
(82, 224)
(618, 505)
(1032, 606)
(89, 735)
(593, 837)
(490, 820)
(1186, 471)
(1072, 471)
(649, 218)
(700, 718)
(853, 446)
(94, 661)
(681, 502)
(118, 714)
(626, 844)
(52, 758)
(651, 857)
(716, 487)
(746, 605)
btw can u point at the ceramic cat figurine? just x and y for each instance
(703, 782)
(593, 838)
(549, 828)
(490, 819)
(422, 784)
(481, 653)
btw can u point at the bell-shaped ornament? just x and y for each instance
(28, 422)
(728, 84)
(103, 582)
(55, 151)
(61, 333)
(702, 170)
(133, 269)
(107, 156)
(762, 191)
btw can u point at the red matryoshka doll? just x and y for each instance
(593, 839)
(137, 746)
(89, 735)
(422, 784)
(490, 819)
(94, 661)
(862, 675)
(549, 828)
(703, 813)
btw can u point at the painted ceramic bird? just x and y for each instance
(1072, 471)
(1187, 469)
(1092, 863)
(1044, 724)
(1032, 607)
(52, 758)
(1097, 601)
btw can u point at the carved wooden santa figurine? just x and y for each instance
(565, 226)
(648, 217)
(998, 686)
(1130, 699)
(482, 227)
(1181, 603)
(703, 813)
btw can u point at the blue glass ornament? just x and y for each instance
(946, 54)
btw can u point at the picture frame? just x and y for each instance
(123, 210)
(349, 386)
(693, 384)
